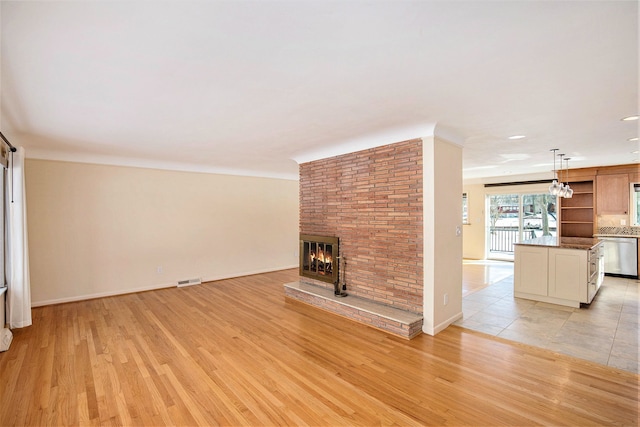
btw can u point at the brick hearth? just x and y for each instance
(398, 322)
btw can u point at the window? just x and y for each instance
(465, 209)
(635, 204)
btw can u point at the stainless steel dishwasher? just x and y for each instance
(621, 255)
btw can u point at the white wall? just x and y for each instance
(442, 180)
(98, 230)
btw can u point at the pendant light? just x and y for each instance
(563, 190)
(568, 191)
(555, 187)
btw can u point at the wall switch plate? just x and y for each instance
(446, 299)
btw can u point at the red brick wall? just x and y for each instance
(372, 201)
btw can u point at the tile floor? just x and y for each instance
(605, 332)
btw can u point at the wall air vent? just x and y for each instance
(189, 282)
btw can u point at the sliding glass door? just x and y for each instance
(504, 219)
(514, 217)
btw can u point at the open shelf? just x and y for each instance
(570, 229)
(577, 213)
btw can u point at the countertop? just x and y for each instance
(584, 243)
(628, 236)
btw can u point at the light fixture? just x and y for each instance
(629, 118)
(635, 138)
(568, 191)
(558, 188)
(516, 137)
(563, 190)
(555, 187)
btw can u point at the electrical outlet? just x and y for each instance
(446, 299)
(623, 222)
(159, 270)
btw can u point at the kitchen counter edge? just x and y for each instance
(628, 236)
(582, 243)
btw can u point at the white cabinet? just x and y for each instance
(568, 273)
(557, 275)
(530, 270)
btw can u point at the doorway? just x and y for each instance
(517, 216)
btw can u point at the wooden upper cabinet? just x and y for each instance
(612, 194)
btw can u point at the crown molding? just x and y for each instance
(63, 156)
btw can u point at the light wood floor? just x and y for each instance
(235, 352)
(478, 274)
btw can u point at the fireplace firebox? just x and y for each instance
(319, 258)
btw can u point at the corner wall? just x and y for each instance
(442, 234)
(98, 230)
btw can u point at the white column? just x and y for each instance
(442, 191)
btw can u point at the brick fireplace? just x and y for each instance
(372, 201)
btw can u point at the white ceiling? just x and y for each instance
(249, 86)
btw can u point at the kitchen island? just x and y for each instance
(559, 270)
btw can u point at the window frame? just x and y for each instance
(465, 209)
(634, 189)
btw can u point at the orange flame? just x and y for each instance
(321, 257)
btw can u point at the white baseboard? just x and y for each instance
(101, 295)
(442, 325)
(247, 273)
(149, 288)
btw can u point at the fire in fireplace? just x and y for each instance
(319, 257)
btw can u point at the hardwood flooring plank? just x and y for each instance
(237, 352)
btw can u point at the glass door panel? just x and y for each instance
(538, 216)
(504, 220)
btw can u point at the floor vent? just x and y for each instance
(189, 282)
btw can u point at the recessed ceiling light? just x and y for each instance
(635, 152)
(516, 137)
(633, 139)
(630, 118)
